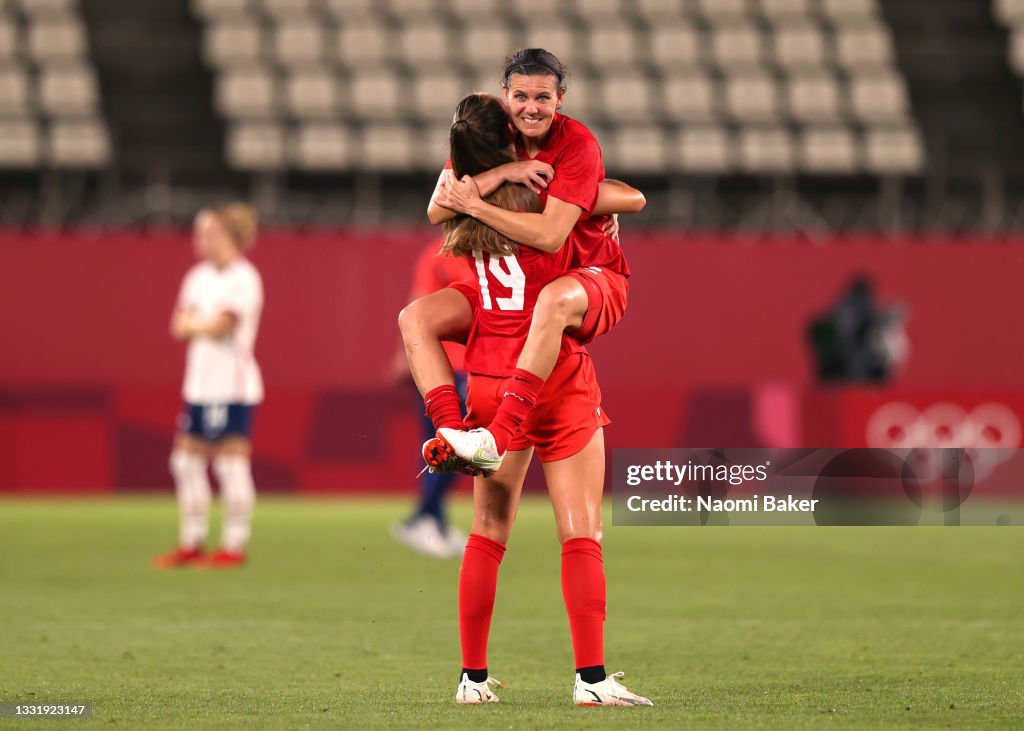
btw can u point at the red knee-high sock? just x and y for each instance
(583, 588)
(478, 581)
(444, 407)
(520, 395)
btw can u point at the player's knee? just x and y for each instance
(560, 303)
(184, 464)
(495, 530)
(494, 522)
(407, 318)
(234, 474)
(415, 319)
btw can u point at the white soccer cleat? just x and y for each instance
(475, 447)
(470, 693)
(423, 535)
(606, 693)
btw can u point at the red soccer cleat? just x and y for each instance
(440, 457)
(179, 558)
(222, 559)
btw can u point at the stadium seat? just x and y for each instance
(435, 95)
(233, 42)
(737, 47)
(39, 8)
(475, 11)
(346, 11)
(690, 98)
(249, 93)
(781, 11)
(609, 48)
(53, 39)
(675, 44)
(828, 150)
(19, 144)
(424, 43)
(600, 12)
(312, 94)
(376, 94)
(639, 149)
(842, 12)
(583, 99)
(799, 46)
(1009, 12)
(534, 11)
(362, 42)
(627, 96)
(814, 98)
(723, 11)
(79, 144)
(387, 147)
(766, 150)
(705, 150)
(879, 98)
(893, 151)
(414, 10)
(283, 10)
(432, 150)
(256, 146)
(68, 91)
(489, 80)
(321, 146)
(10, 45)
(15, 93)
(752, 98)
(559, 39)
(216, 10)
(484, 45)
(299, 41)
(655, 12)
(864, 47)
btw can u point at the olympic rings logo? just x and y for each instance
(986, 433)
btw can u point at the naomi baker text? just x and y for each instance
(683, 504)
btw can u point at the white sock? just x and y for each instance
(234, 473)
(193, 488)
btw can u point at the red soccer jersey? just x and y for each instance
(507, 294)
(573, 152)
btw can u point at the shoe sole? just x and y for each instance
(440, 456)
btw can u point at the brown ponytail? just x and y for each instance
(481, 140)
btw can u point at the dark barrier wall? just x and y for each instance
(712, 352)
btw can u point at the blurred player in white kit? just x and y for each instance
(218, 313)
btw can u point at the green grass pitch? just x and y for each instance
(334, 625)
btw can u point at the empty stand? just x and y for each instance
(50, 111)
(804, 76)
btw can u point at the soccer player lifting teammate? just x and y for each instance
(218, 313)
(559, 159)
(565, 427)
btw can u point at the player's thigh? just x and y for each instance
(193, 445)
(496, 498)
(446, 314)
(576, 486)
(232, 445)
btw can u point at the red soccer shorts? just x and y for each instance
(567, 413)
(608, 295)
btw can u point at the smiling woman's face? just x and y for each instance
(532, 101)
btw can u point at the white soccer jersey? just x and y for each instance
(223, 370)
